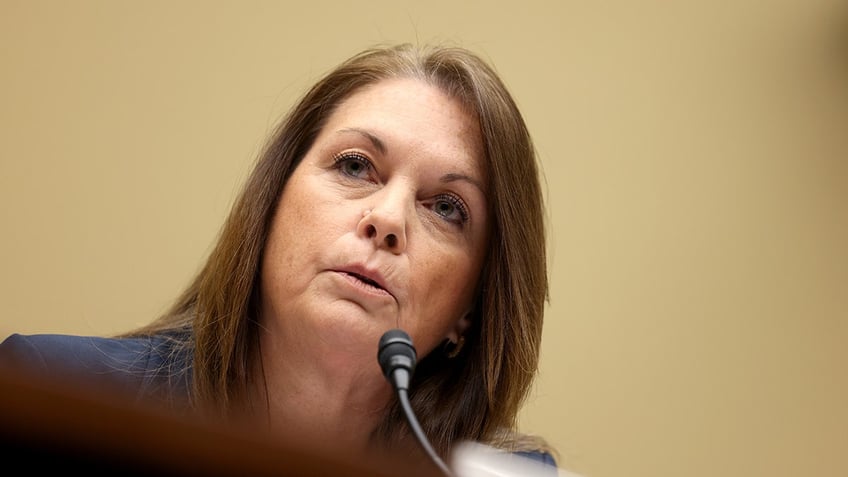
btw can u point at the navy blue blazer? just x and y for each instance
(148, 370)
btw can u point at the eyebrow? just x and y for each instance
(375, 141)
(381, 146)
(453, 177)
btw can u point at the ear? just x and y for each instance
(460, 327)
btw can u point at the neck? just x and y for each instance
(333, 404)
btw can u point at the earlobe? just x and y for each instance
(454, 350)
(459, 328)
(455, 340)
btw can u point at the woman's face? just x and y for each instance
(382, 225)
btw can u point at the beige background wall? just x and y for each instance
(696, 160)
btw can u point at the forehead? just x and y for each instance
(411, 115)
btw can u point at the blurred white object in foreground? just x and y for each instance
(472, 459)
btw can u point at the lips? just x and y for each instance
(365, 279)
(369, 278)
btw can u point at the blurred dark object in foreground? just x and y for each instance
(47, 427)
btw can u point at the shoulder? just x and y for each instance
(538, 456)
(48, 351)
(475, 458)
(136, 365)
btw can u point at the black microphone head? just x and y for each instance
(396, 351)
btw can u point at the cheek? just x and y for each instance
(278, 258)
(284, 247)
(454, 272)
(454, 281)
(447, 285)
(304, 227)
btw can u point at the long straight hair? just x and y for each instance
(475, 395)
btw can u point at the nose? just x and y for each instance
(385, 223)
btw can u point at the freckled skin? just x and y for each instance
(321, 325)
(318, 223)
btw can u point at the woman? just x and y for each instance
(400, 192)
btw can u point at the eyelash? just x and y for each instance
(344, 158)
(458, 203)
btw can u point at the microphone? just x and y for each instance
(397, 358)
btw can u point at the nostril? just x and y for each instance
(370, 231)
(391, 240)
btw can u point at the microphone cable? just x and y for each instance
(397, 357)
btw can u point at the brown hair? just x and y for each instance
(475, 395)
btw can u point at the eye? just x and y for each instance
(451, 208)
(353, 164)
